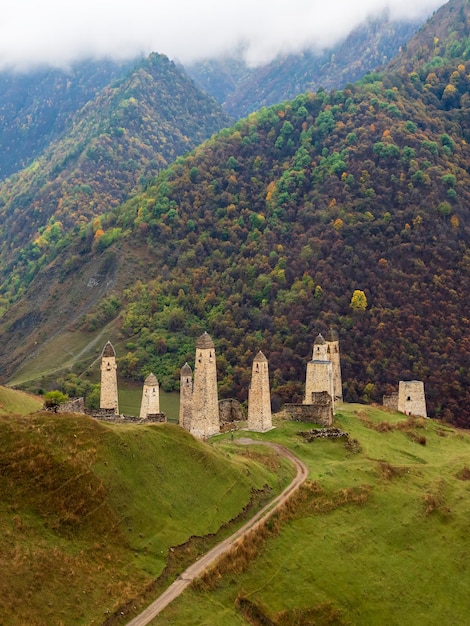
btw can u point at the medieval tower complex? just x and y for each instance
(259, 397)
(150, 404)
(186, 396)
(332, 343)
(319, 372)
(205, 404)
(411, 398)
(109, 388)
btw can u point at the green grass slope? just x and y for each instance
(18, 402)
(379, 534)
(91, 513)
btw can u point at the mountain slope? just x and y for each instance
(36, 107)
(262, 235)
(445, 35)
(243, 90)
(383, 512)
(92, 513)
(132, 129)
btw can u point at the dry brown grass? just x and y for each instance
(463, 474)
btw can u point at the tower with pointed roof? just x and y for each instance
(319, 371)
(150, 404)
(205, 405)
(186, 396)
(109, 388)
(259, 397)
(332, 343)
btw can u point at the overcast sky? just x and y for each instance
(59, 32)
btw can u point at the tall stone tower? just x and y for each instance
(332, 342)
(150, 404)
(186, 396)
(259, 397)
(109, 389)
(205, 406)
(411, 398)
(319, 372)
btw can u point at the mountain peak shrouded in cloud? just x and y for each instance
(57, 33)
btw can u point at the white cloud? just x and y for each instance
(58, 33)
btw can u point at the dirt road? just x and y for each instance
(197, 568)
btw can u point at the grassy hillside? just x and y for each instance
(90, 513)
(14, 402)
(379, 534)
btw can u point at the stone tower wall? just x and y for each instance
(205, 405)
(259, 397)
(109, 388)
(411, 398)
(319, 378)
(150, 404)
(186, 400)
(334, 356)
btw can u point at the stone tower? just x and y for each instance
(332, 342)
(186, 396)
(150, 404)
(259, 397)
(319, 372)
(109, 389)
(411, 398)
(205, 405)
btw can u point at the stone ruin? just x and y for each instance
(410, 398)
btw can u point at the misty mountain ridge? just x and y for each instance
(242, 90)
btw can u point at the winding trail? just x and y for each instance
(197, 568)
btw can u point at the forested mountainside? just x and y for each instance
(243, 90)
(446, 35)
(132, 129)
(262, 235)
(38, 105)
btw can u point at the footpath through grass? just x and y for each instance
(91, 514)
(379, 535)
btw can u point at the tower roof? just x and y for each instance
(205, 342)
(186, 370)
(260, 358)
(332, 335)
(319, 340)
(108, 350)
(151, 381)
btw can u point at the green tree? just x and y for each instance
(52, 399)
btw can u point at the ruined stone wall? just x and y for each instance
(319, 411)
(259, 396)
(75, 405)
(230, 410)
(411, 398)
(108, 415)
(391, 401)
